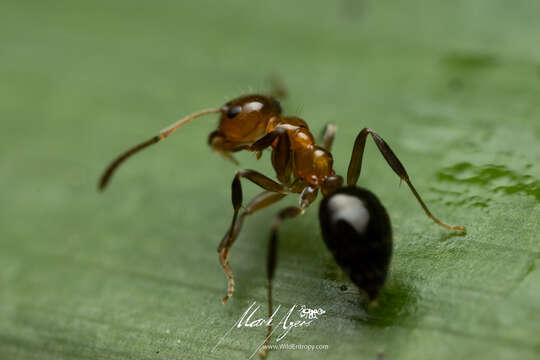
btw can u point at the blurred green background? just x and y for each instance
(453, 86)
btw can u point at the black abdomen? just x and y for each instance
(357, 230)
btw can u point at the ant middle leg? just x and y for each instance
(259, 202)
(328, 135)
(355, 166)
(225, 244)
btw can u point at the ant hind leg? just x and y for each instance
(355, 166)
(307, 197)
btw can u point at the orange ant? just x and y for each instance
(355, 225)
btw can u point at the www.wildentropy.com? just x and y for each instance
(308, 347)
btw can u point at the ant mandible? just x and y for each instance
(355, 225)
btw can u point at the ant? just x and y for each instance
(355, 225)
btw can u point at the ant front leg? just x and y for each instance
(267, 184)
(281, 155)
(356, 164)
(307, 197)
(267, 140)
(279, 90)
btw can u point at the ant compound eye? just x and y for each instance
(235, 110)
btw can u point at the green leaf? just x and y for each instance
(133, 273)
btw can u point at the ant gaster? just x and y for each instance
(355, 225)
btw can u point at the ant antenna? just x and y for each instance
(163, 134)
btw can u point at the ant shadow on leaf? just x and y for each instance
(396, 303)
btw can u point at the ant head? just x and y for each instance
(356, 229)
(246, 108)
